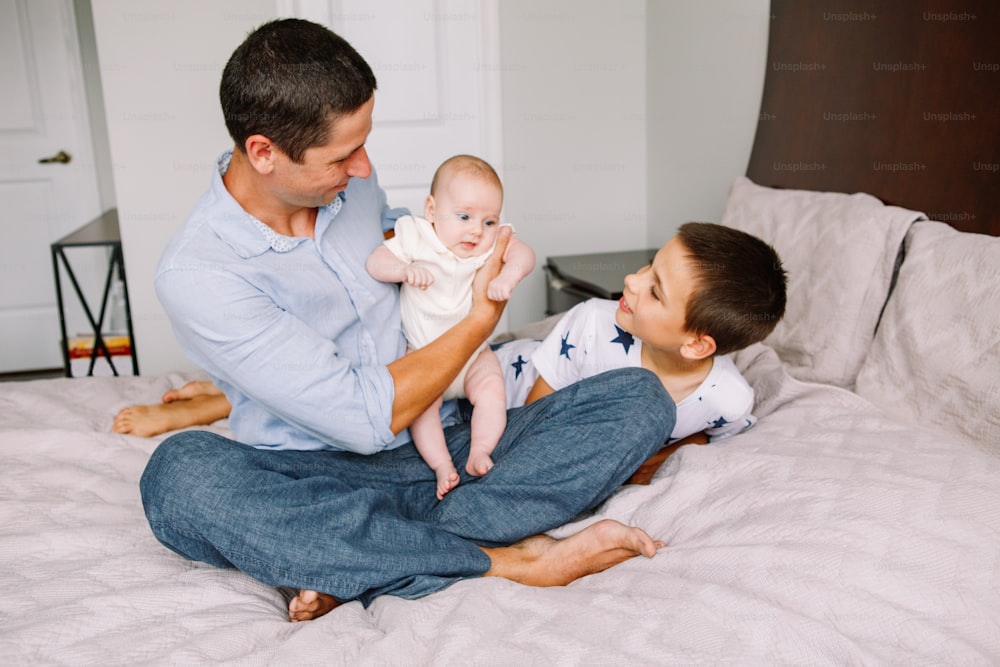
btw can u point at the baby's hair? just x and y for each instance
(739, 291)
(470, 164)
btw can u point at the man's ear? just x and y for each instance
(260, 153)
(698, 347)
(429, 208)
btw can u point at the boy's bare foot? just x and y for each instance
(308, 605)
(545, 561)
(447, 479)
(478, 465)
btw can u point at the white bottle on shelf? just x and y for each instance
(116, 323)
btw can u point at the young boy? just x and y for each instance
(435, 258)
(709, 291)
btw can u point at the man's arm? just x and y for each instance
(423, 375)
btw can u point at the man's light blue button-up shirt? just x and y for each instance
(293, 330)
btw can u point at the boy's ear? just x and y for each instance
(699, 347)
(429, 208)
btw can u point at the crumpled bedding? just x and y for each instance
(829, 533)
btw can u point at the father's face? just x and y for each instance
(326, 169)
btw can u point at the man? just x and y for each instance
(266, 289)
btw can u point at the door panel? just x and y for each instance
(42, 111)
(435, 72)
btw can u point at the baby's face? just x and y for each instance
(465, 213)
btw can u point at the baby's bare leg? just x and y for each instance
(485, 389)
(428, 437)
(150, 420)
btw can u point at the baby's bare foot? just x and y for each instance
(478, 464)
(308, 605)
(447, 479)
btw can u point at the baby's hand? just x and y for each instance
(500, 289)
(418, 276)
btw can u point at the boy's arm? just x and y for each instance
(540, 389)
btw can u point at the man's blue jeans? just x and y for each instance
(356, 527)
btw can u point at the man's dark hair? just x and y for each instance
(287, 81)
(739, 291)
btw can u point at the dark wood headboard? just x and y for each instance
(897, 98)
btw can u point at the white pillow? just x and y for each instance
(936, 357)
(839, 251)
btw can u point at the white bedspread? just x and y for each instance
(828, 534)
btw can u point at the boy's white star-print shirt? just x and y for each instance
(587, 341)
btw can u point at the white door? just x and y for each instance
(436, 62)
(42, 111)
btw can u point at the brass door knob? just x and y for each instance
(62, 157)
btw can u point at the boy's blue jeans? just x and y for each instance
(356, 527)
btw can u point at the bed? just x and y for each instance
(858, 522)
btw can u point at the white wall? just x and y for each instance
(620, 120)
(160, 65)
(574, 130)
(706, 62)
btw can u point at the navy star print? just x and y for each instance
(518, 365)
(566, 347)
(719, 423)
(623, 337)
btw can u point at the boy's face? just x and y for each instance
(655, 298)
(465, 213)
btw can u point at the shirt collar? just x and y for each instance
(247, 235)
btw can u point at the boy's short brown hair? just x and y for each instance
(739, 293)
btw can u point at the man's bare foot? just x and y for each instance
(447, 479)
(149, 420)
(478, 465)
(308, 605)
(545, 561)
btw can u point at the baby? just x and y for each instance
(436, 258)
